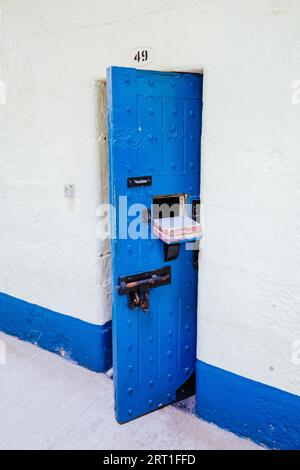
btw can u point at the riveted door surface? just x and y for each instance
(154, 143)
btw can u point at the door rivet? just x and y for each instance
(150, 402)
(130, 391)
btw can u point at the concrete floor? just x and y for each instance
(49, 403)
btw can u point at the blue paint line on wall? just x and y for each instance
(84, 343)
(251, 409)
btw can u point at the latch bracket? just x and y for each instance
(137, 287)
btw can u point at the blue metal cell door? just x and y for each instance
(154, 144)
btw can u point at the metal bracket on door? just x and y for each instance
(137, 287)
(139, 181)
(196, 205)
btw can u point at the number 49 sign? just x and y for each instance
(142, 56)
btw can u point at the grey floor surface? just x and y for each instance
(49, 403)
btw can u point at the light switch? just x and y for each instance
(69, 190)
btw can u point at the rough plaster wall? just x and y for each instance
(52, 54)
(250, 265)
(104, 271)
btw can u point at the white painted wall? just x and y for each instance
(52, 53)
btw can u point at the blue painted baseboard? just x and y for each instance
(251, 409)
(84, 343)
